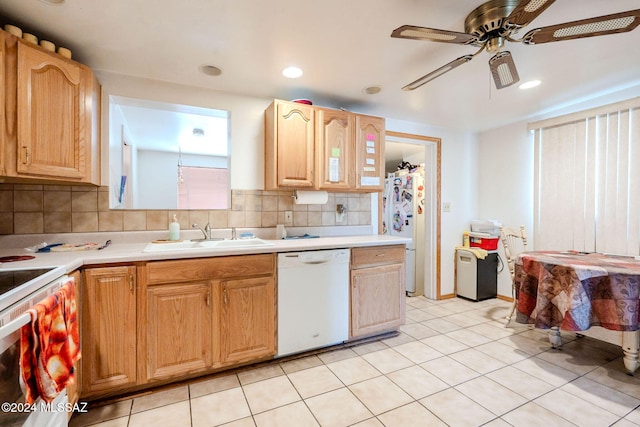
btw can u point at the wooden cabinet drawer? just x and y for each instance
(377, 255)
(217, 268)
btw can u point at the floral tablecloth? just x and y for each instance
(575, 291)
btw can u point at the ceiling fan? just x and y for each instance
(496, 21)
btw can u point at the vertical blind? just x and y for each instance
(587, 180)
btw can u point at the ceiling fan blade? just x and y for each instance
(437, 73)
(598, 26)
(433, 35)
(527, 11)
(503, 70)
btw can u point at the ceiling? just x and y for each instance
(343, 47)
(159, 126)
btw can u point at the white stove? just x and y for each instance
(18, 283)
(21, 289)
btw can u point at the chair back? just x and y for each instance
(514, 242)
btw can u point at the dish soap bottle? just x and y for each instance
(174, 229)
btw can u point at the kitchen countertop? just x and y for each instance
(131, 252)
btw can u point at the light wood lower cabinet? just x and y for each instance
(248, 319)
(162, 321)
(178, 329)
(377, 289)
(108, 319)
(209, 313)
(73, 389)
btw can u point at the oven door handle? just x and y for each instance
(10, 333)
(15, 325)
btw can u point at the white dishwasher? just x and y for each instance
(313, 299)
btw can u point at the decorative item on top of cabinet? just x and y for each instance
(289, 145)
(51, 116)
(108, 340)
(377, 289)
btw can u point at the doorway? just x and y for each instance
(419, 149)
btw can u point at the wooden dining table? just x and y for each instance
(575, 291)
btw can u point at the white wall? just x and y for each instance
(505, 184)
(459, 174)
(459, 167)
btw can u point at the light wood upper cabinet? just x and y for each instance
(49, 138)
(108, 339)
(369, 153)
(317, 148)
(289, 145)
(377, 289)
(334, 149)
(178, 329)
(52, 116)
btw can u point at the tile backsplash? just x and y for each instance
(37, 209)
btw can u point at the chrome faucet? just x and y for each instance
(233, 234)
(206, 230)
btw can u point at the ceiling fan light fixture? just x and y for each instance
(292, 72)
(503, 70)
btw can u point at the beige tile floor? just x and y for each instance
(454, 364)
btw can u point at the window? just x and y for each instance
(587, 180)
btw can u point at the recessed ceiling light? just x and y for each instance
(210, 70)
(530, 84)
(372, 90)
(292, 72)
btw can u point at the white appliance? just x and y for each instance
(403, 215)
(12, 318)
(313, 299)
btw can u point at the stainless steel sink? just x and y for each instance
(206, 244)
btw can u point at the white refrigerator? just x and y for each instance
(403, 215)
